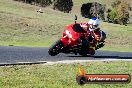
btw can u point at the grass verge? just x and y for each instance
(60, 75)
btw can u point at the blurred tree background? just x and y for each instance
(94, 9)
(61, 5)
(118, 13)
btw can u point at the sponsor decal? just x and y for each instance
(83, 78)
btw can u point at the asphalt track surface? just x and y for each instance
(12, 55)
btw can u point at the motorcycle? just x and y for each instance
(74, 40)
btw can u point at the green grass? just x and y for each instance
(60, 75)
(119, 37)
(21, 25)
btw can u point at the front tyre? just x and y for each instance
(56, 48)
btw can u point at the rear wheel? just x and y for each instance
(83, 54)
(56, 48)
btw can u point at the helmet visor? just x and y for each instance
(93, 27)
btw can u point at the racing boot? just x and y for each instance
(101, 44)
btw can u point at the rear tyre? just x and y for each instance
(91, 51)
(56, 48)
(82, 53)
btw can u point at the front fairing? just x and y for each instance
(70, 36)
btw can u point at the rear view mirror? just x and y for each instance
(75, 18)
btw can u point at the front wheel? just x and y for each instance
(56, 48)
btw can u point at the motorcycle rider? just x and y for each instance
(96, 36)
(96, 32)
(92, 37)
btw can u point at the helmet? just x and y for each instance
(94, 23)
